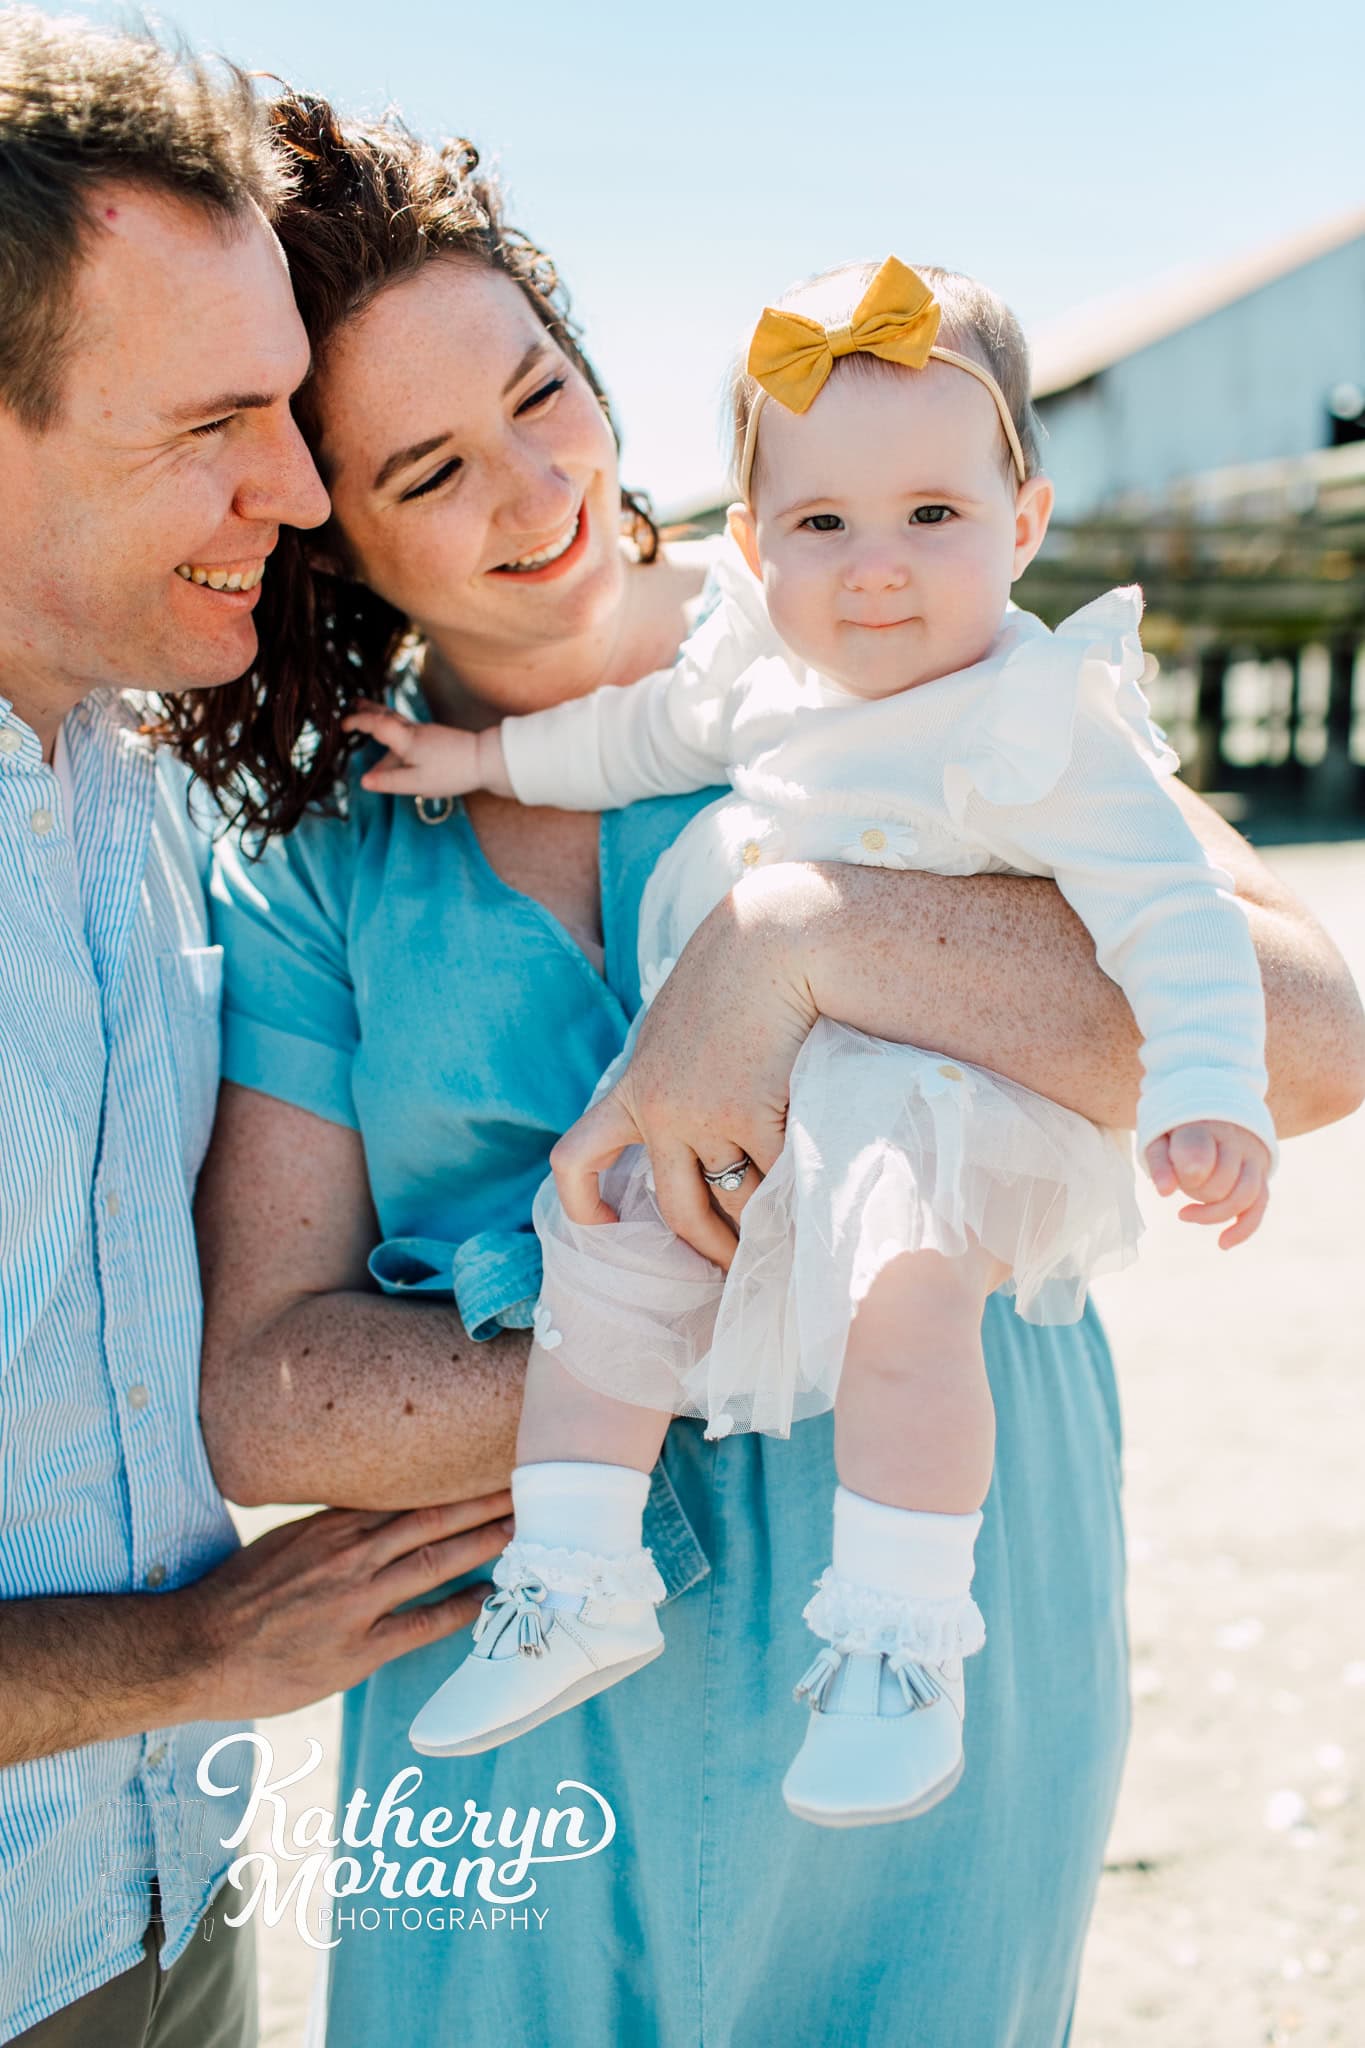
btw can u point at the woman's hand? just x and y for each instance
(710, 1075)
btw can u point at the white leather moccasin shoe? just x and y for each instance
(884, 1740)
(530, 1662)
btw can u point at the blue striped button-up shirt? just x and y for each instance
(108, 1073)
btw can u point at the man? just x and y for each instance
(149, 345)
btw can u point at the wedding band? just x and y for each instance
(730, 1179)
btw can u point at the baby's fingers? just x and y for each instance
(1241, 1230)
(390, 728)
(1202, 1166)
(395, 777)
(1160, 1168)
(1250, 1184)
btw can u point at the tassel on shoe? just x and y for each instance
(917, 1686)
(518, 1606)
(817, 1681)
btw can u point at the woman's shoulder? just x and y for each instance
(691, 565)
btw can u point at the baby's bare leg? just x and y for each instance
(914, 1425)
(565, 1420)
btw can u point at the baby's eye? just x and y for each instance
(823, 522)
(930, 515)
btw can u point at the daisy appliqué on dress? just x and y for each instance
(875, 843)
(543, 1329)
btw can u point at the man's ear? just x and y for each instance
(1032, 511)
(739, 524)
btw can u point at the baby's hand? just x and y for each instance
(422, 760)
(1225, 1168)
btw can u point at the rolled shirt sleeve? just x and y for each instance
(289, 1011)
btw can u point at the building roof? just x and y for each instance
(1103, 333)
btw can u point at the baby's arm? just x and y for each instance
(665, 735)
(1169, 931)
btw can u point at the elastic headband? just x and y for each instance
(897, 318)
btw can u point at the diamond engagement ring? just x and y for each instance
(730, 1179)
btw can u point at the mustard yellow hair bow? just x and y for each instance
(897, 318)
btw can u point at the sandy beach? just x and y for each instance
(1229, 1914)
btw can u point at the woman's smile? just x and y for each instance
(555, 559)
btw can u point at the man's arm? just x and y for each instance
(306, 1610)
(996, 969)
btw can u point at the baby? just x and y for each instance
(865, 687)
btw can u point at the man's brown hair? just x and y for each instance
(82, 106)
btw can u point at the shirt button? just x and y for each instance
(752, 853)
(874, 839)
(156, 1577)
(111, 1205)
(156, 1757)
(138, 1397)
(10, 740)
(951, 1073)
(41, 821)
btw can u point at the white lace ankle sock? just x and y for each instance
(570, 1505)
(903, 1550)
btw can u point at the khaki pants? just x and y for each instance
(207, 1999)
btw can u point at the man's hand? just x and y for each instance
(308, 1609)
(427, 760)
(710, 1075)
(304, 1611)
(1225, 1169)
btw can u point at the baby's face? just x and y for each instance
(886, 527)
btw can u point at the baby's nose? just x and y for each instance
(878, 568)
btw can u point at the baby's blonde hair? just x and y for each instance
(974, 322)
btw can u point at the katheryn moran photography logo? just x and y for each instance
(470, 1854)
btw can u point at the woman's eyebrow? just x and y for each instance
(536, 348)
(403, 456)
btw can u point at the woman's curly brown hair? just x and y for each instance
(371, 204)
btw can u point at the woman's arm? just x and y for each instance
(991, 968)
(313, 1388)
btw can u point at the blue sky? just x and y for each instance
(684, 165)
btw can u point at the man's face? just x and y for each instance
(174, 454)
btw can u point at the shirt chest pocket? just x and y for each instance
(192, 986)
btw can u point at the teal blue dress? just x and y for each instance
(379, 974)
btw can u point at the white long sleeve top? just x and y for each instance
(1040, 759)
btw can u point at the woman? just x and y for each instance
(416, 1008)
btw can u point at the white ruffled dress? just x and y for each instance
(1041, 759)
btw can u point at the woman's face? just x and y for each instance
(472, 471)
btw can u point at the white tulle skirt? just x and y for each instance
(889, 1150)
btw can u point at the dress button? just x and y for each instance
(950, 1073)
(155, 1577)
(41, 821)
(752, 853)
(874, 839)
(156, 1757)
(138, 1397)
(10, 740)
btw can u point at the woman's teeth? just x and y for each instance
(222, 579)
(550, 554)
